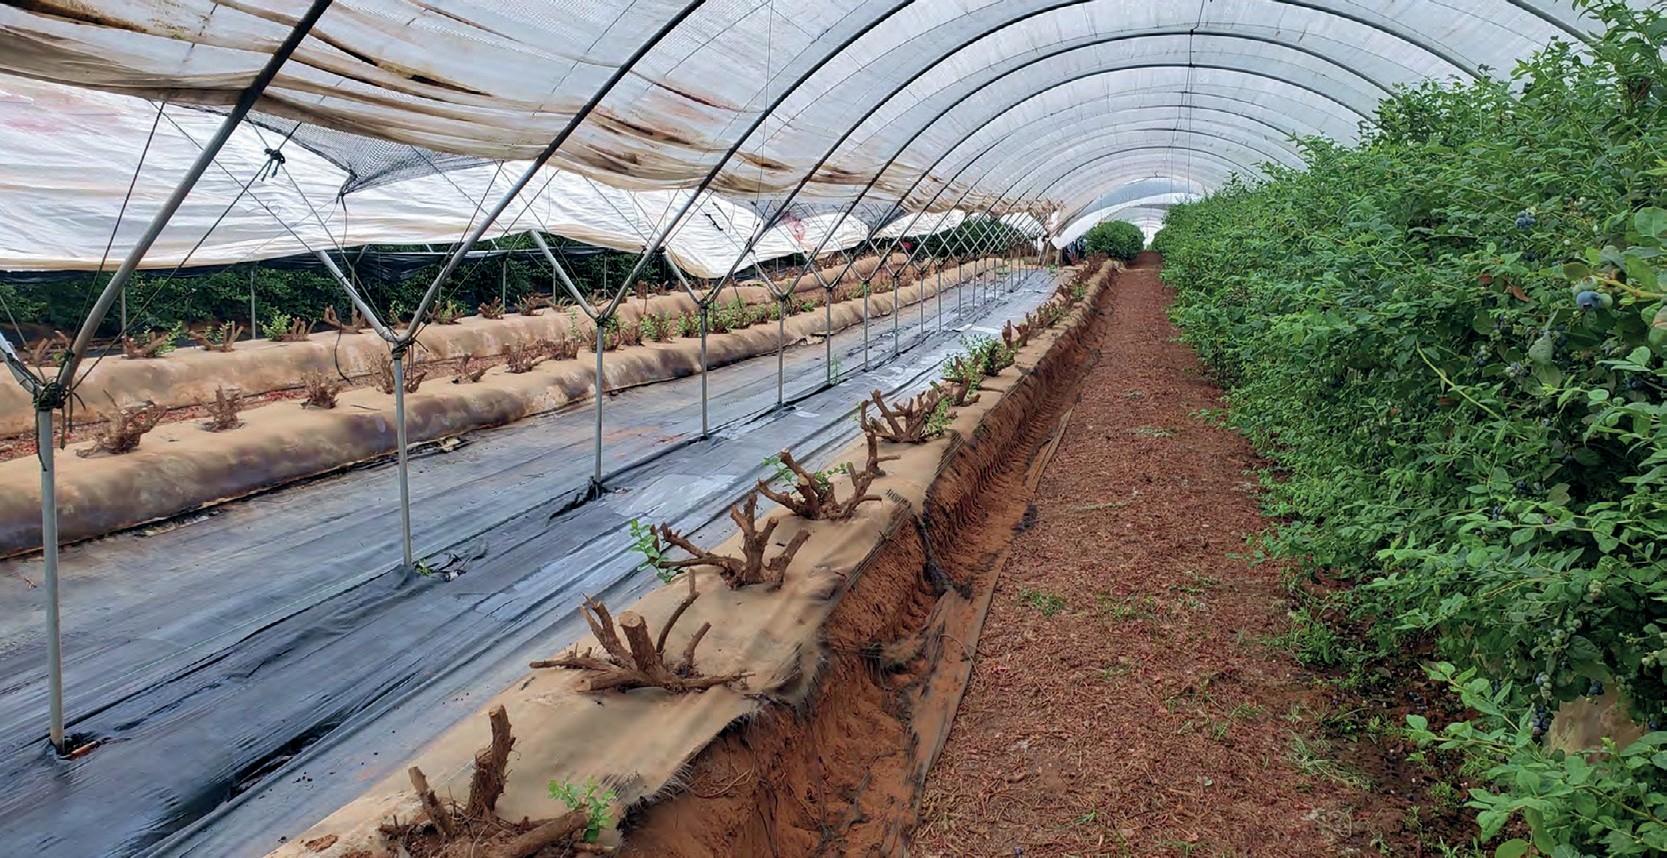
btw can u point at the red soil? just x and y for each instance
(1125, 699)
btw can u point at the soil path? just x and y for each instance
(1126, 700)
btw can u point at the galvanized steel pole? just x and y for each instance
(50, 396)
(407, 556)
(49, 551)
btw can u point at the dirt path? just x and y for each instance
(1126, 699)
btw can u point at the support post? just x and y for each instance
(397, 356)
(136, 254)
(491, 216)
(781, 352)
(896, 312)
(49, 559)
(254, 324)
(52, 396)
(601, 333)
(920, 289)
(827, 340)
(939, 275)
(865, 327)
(959, 292)
(705, 424)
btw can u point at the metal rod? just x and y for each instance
(827, 341)
(705, 426)
(49, 397)
(920, 289)
(397, 356)
(538, 163)
(781, 352)
(758, 122)
(49, 558)
(896, 311)
(558, 274)
(136, 254)
(940, 293)
(596, 472)
(865, 326)
(358, 301)
(254, 323)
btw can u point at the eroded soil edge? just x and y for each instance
(844, 773)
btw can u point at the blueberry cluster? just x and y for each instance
(1542, 720)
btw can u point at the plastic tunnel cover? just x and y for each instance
(474, 79)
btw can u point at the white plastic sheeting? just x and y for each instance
(922, 223)
(70, 154)
(1074, 96)
(1121, 211)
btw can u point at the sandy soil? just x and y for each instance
(840, 774)
(813, 756)
(1125, 700)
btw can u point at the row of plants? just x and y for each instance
(175, 308)
(1451, 342)
(129, 423)
(193, 299)
(1117, 239)
(629, 656)
(279, 326)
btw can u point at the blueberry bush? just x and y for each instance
(1117, 239)
(1450, 341)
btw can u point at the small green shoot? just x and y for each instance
(592, 798)
(1047, 603)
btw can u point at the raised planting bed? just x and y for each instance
(745, 676)
(191, 376)
(812, 283)
(181, 466)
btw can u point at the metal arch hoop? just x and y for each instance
(1115, 153)
(1093, 121)
(538, 163)
(1028, 180)
(1110, 177)
(1166, 105)
(922, 130)
(1010, 132)
(992, 167)
(1095, 176)
(1409, 38)
(1551, 19)
(1218, 34)
(962, 99)
(1285, 133)
(1137, 205)
(1051, 135)
(655, 244)
(1122, 37)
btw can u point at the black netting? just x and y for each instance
(367, 161)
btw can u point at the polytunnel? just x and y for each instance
(851, 141)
